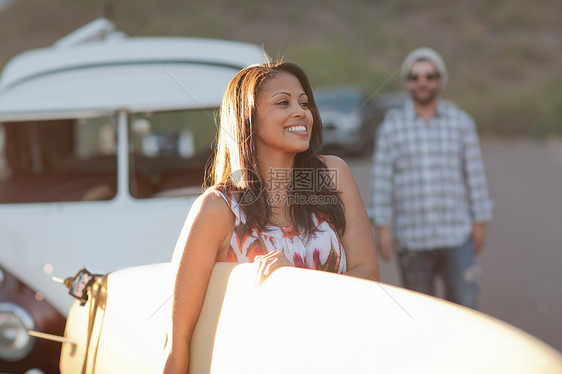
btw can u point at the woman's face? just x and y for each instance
(283, 119)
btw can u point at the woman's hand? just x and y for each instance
(268, 263)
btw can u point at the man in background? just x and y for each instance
(430, 196)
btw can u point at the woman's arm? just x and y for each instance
(357, 239)
(207, 228)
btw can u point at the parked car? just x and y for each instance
(349, 119)
(104, 140)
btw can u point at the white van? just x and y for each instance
(104, 142)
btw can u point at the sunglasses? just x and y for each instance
(428, 77)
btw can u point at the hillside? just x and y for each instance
(504, 56)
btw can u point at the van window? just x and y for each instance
(58, 160)
(170, 152)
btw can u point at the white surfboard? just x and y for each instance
(298, 321)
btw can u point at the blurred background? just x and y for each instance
(504, 56)
(504, 59)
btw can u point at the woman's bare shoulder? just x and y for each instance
(335, 162)
(212, 206)
(208, 223)
(345, 181)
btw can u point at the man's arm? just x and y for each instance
(481, 205)
(381, 185)
(385, 242)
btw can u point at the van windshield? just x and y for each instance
(58, 160)
(76, 159)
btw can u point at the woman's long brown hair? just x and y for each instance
(236, 167)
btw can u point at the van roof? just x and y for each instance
(119, 72)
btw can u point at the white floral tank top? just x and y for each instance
(320, 251)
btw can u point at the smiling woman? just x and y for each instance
(273, 200)
(258, 143)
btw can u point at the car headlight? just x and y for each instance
(15, 343)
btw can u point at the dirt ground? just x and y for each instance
(520, 268)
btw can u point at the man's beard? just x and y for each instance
(426, 99)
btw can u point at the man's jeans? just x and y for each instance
(455, 266)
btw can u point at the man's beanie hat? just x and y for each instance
(424, 54)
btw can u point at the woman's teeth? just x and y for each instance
(296, 129)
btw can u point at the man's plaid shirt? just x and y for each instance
(428, 177)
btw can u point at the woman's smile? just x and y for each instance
(297, 129)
